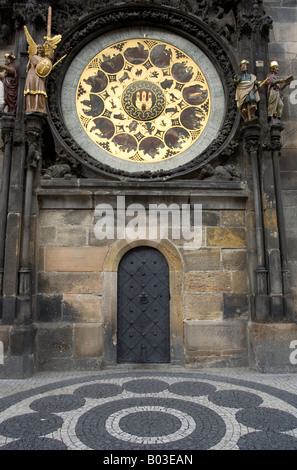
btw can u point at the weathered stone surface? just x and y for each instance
(77, 259)
(233, 219)
(203, 306)
(63, 201)
(48, 308)
(62, 217)
(87, 340)
(208, 282)
(288, 179)
(234, 260)
(235, 305)
(48, 236)
(270, 219)
(271, 347)
(240, 281)
(4, 336)
(81, 307)
(225, 237)
(202, 260)
(12, 253)
(54, 340)
(211, 218)
(72, 236)
(70, 283)
(22, 340)
(215, 336)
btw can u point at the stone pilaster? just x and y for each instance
(252, 145)
(7, 127)
(19, 361)
(276, 128)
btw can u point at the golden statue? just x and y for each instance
(39, 66)
(247, 96)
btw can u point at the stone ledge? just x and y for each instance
(96, 185)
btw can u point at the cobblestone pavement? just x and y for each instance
(157, 409)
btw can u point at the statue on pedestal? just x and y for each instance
(9, 75)
(39, 66)
(274, 92)
(247, 96)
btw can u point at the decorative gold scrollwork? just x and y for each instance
(143, 100)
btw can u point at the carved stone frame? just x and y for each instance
(110, 299)
(189, 27)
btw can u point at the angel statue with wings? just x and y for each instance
(38, 68)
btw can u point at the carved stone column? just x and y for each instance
(33, 132)
(271, 330)
(252, 144)
(7, 127)
(20, 360)
(276, 128)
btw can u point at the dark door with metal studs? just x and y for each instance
(143, 307)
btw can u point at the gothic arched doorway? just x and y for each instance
(143, 307)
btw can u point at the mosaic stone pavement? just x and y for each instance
(152, 410)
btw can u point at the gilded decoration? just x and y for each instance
(143, 100)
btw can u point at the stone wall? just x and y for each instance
(213, 297)
(216, 302)
(68, 303)
(283, 48)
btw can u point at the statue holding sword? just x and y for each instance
(38, 68)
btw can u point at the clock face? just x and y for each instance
(143, 100)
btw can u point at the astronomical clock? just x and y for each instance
(142, 100)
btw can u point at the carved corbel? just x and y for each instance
(34, 154)
(252, 145)
(6, 136)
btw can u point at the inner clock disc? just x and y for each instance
(138, 81)
(142, 100)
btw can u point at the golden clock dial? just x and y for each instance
(143, 100)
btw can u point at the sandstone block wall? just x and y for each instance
(216, 286)
(69, 292)
(213, 296)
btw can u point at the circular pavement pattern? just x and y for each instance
(149, 411)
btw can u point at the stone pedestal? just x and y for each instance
(19, 352)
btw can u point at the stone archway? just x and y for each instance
(110, 299)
